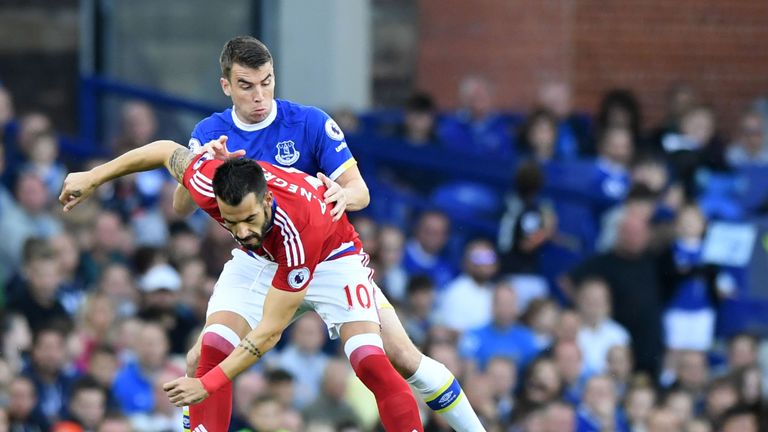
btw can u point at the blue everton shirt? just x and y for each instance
(292, 135)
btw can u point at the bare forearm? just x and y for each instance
(253, 346)
(357, 193)
(151, 156)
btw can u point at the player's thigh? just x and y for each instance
(341, 292)
(240, 291)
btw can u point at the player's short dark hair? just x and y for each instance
(244, 50)
(236, 178)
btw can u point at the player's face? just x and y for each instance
(252, 91)
(248, 221)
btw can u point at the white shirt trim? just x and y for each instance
(250, 127)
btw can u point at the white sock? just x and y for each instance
(437, 386)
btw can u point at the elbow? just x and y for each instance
(181, 209)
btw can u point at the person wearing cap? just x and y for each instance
(467, 301)
(160, 287)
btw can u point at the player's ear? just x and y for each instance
(225, 86)
(268, 198)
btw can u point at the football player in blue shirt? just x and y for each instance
(284, 133)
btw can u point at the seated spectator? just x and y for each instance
(560, 416)
(620, 108)
(109, 244)
(72, 291)
(390, 275)
(502, 380)
(689, 321)
(329, 404)
(694, 148)
(620, 368)
(691, 374)
(568, 359)
(743, 351)
(265, 414)
(87, 403)
(118, 284)
(638, 405)
(663, 420)
(417, 312)
(476, 128)
(160, 302)
(538, 137)
(28, 216)
(44, 162)
(165, 416)
(738, 419)
(19, 141)
(115, 423)
(611, 179)
(133, 386)
(568, 326)
(280, 385)
(37, 300)
(246, 388)
(303, 357)
(598, 332)
(541, 386)
(698, 425)
(49, 373)
(95, 325)
(527, 225)
(680, 402)
(424, 252)
(681, 97)
(17, 340)
(418, 128)
(466, 303)
(599, 410)
(541, 317)
(633, 277)
(138, 127)
(722, 395)
(572, 133)
(752, 145)
(103, 366)
(503, 337)
(23, 407)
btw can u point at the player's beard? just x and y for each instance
(246, 242)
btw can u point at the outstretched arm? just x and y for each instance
(279, 308)
(175, 157)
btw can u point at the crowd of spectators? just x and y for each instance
(100, 304)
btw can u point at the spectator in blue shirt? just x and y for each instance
(538, 136)
(133, 384)
(48, 372)
(503, 337)
(599, 410)
(572, 132)
(424, 252)
(476, 128)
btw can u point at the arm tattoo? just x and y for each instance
(179, 161)
(249, 346)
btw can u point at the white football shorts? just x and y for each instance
(341, 290)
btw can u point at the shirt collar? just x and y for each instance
(250, 127)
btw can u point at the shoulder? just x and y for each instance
(216, 120)
(299, 112)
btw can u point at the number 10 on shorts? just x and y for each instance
(361, 294)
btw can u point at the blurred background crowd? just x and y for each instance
(576, 269)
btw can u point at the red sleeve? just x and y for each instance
(198, 179)
(297, 255)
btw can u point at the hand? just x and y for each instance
(218, 149)
(77, 187)
(185, 391)
(335, 194)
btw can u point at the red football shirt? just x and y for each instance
(302, 232)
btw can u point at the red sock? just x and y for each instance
(397, 406)
(213, 414)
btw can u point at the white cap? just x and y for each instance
(161, 276)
